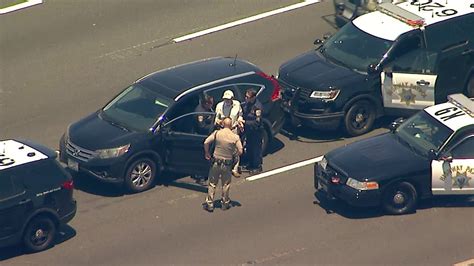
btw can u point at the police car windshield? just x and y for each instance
(422, 132)
(354, 48)
(136, 108)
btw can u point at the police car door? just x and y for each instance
(408, 79)
(13, 204)
(454, 172)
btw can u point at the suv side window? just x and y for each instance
(185, 105)
(194, 123)
(464, 150)
(43, 175)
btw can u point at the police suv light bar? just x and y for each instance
(401, 14)
(461, 101)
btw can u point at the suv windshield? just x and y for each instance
(423, 133)
(354, 48)
(137, 108)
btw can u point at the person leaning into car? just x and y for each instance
(226, 145)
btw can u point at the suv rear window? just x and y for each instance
(43, 175)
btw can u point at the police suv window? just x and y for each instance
(7, 187)
(465, 150)
(411, 57)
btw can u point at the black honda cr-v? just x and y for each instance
(35, 195)
(149, 127)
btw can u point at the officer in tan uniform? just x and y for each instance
(227, 143)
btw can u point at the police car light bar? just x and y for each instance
(401, 14)
(461, 101)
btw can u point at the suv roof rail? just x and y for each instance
(401, 14)
(461, 101)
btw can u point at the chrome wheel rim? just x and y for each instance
(141, 174)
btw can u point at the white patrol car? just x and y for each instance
(36, 195)
(431, 153)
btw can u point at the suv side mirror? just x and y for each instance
(318, 42)
(396, 123)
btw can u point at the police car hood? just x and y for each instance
(311, 70)
(93, 132)
(377, 158)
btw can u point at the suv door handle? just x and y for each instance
(24, 201)
(423, 82)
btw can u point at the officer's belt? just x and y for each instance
(223, 161)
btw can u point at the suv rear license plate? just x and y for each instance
(73, 165)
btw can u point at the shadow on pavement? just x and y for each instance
(91, 185)
(65, 232)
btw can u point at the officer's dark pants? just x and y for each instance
(254, 149)
(224, 173)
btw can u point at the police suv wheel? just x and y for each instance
(39, 234)
(400, 198)
(359, 118)
(470, 87)
(140, 175)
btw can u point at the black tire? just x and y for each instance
(359, 118)
(400, 198)
(140, 175)
(39, 234)
(470, 87)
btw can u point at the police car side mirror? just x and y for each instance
(432, 154)
(372, 69)
(396, 123)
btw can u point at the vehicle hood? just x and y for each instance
(377, 158)
(311, 70)
(92, 133)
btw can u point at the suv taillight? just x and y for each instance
(276, 94)
(68, 185)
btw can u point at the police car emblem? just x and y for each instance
(407, 96)
(461, 179)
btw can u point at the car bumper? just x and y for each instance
(324, 119)
(106, 170)
(354, 197)
(70, 215)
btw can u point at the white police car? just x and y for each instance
(431, 153)
(36, 195)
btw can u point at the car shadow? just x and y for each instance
(274, 146)
(65, 232)
(90, 185)
(339, 207)
(312, 135)
(448, 201)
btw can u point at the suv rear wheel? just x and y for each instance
(140, 175)
(39, 234)
(359, 118)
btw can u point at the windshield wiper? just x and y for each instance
(104, 116)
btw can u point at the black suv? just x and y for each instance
(35, 195)
(150, 126)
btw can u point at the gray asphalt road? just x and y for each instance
(65, 59)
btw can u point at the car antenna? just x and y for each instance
(233, 63)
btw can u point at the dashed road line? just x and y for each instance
(245, 20)
(284, 169)
(16, 7)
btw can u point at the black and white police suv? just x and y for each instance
(36, 195)
(393, 61)
(431, 153)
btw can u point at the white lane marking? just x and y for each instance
(20, 6)
(245, 20)
(284, 169)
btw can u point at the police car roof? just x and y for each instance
(455, 119)
(392, 20)
(17, 152)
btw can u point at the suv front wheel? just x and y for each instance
(140, 175)
(359, 118)
(39, 234)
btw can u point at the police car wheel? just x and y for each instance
(400, 198)
(39, 234)
(140, 175)
(359, 118)
(470, 87)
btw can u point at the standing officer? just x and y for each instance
(252, 113)
(226, 144)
